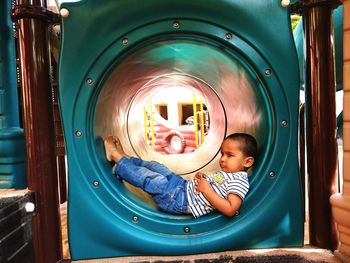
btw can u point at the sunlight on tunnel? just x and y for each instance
(175, 101)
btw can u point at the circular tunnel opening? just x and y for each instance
(173, 101)
(172, 114)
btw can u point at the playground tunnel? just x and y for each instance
(171, 86)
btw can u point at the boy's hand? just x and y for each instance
(200, 183)
(199, 175)
(227, 206)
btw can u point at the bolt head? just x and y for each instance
(228, 36)
(78, 133)
(64, 12)
(268, 72)
(176, 24)
(29, 207)
(285, 3)
(125, 41)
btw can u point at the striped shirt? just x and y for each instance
(223, 184)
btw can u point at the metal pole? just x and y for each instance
(39, 129)
(302, 150)
(321, 121)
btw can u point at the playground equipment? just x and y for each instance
(12, 150)
(169, 128)
(338, 43)
(243, 65)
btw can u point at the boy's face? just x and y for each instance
(232, 158)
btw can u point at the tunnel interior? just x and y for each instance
(179, 72)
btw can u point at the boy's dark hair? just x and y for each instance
(249, 144)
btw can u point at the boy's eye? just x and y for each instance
(227, 154)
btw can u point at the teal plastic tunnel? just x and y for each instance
(122, 63)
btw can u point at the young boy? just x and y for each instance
(224, 190)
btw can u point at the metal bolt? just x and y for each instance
(30, 207)
(78, 133)
(125, 41)
(135, 219)
(285, 3)
(228, 36)
(176, 24)
(64, 12)
(96, 183)
(272, 174)
(284, 123)
(187, 229)
(268, 72)
(89, 81)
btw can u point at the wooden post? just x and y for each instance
(320, 121)
(39, 128)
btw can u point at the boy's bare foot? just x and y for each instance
(119, 146)
(113, 149)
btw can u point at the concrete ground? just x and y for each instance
(293, 255)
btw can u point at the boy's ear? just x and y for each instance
(248, 162)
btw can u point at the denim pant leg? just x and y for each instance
(151, 182)
(154, 166)
(167, 188)
(175, 200)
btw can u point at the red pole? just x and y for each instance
(321, 121)
(39, 129)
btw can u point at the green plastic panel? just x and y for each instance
(338, 47)
(12, 150)
(120, 42)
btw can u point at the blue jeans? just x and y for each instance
(167, 189)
